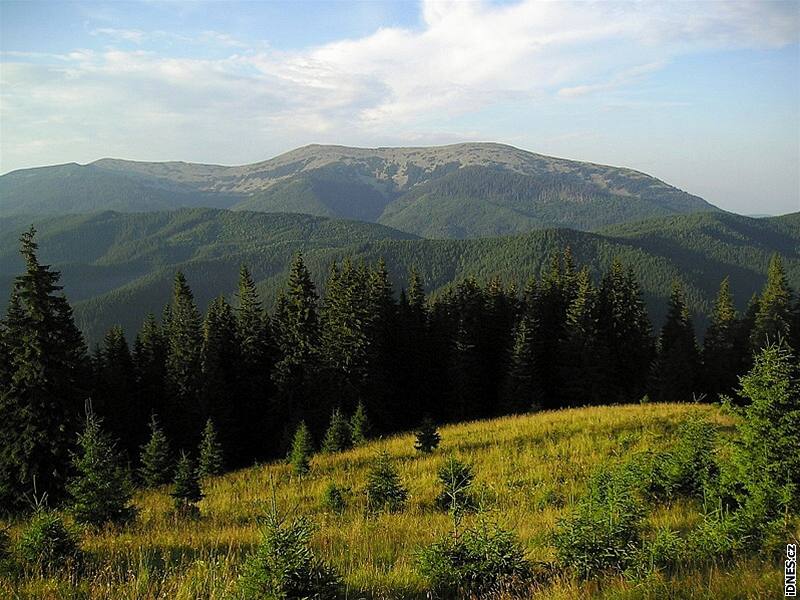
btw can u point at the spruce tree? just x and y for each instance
(723, 357)
(774, 317)
(184, 366)
(43, 376)
(360, 429)
(385, 490)
(156, 458)
(302, 450)
(149, 363)
(677, 363)
(115, 397)
(186, 491)
(338, 437)
(221, 362)
(211, 456)
(254, 422)
(427, 436)
(579, 348)
(521, 389)
(100, 490)
(413, 359)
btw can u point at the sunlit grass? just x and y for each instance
(529, 469)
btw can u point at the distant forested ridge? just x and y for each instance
(564, 338)
(457, 191)
(116, 266)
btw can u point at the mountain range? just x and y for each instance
(457, 191)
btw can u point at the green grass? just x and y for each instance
(529, 469)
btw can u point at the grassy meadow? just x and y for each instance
(529, 470)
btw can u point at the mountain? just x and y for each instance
(119, 266)
(456, 191)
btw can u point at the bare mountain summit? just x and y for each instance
(460, 190)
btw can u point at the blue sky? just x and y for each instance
(705, 95)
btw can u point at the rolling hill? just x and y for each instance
(529, 471)
(118, 266)
(458, 191)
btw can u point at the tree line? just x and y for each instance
(474, 351)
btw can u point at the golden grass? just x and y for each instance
(528, 470)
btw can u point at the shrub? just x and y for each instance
(662, 552)
(338, 437)
(456, 479)
(302, 450)
(473, 563)
(384, 488)
(46, 544)
(211, 457)
(101, 490)
(6, 558)
(284, 566)
(603, 532)
(428, 437)
(334, 498)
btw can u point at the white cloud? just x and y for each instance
(466, 56)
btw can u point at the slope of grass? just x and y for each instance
(529, 469)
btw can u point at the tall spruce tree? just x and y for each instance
(297, 333)
(676, 369)
(578, 368)
(724, 358)
(220, 374)
(774, 317)
(150, 368)
(101, 490)
(625, 348)
(256, 424)
(413, 359)
(183, 417)
(43, 387)
(522, 390)
(115, 396)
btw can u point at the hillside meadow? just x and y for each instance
(529, 470)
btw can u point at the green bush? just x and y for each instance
(384, 488)
(603, 532)
(427, 437)
(285, 567)
(47, 546)
(456, 480)
(334, 498)
(474, 563)
(664, 551)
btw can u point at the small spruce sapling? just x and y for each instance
(156, 457)
(338, 437)
(211, 457)
(360, 427)
(186, 490)
(428, 437)
(385, 490)
(302, 450)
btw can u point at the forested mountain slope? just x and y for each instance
(116, 267)
(457, 191)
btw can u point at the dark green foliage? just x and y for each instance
(360, 428)
(184, 365)
(100, 491)
(338, 437)
(149, 361)
(302, 450)
(155, 460)
(522, 389)
(428, 437)
(677, 366)
(43, 374)
(385, 490)
(456, 479)
(334, 498)
(47, 546)
(284, 566)
(186, 492)
(603, 531)
(578, 368)
(7, 562)
(474, 562)
(774, 317)
(211, 461)
(725, 348)
(770, 427)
